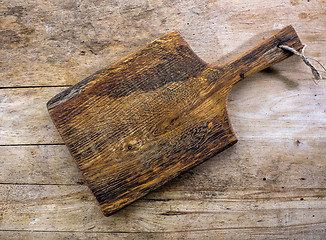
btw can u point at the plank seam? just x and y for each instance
(54, 86)
(180, 231)
(31, 144)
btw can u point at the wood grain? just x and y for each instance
(142, 121)
(278, 116)
(156, 213)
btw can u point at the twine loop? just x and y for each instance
(306, 60)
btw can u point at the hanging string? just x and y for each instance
(314, 70)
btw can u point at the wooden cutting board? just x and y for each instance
(140, 122)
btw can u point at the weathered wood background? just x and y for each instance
(271, 184)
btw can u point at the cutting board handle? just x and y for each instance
(260, 57)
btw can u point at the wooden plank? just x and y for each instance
(257, 211)
(57, 48)
(287, 109)
(300, 232)
(288, 164)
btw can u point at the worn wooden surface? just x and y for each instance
(271, 184)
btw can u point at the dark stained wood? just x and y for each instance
(142, 121)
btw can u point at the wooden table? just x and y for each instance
(270, 185)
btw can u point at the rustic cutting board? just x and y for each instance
(142, 121)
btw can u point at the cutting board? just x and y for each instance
(140, 122)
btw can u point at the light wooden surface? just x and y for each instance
(270, 185)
